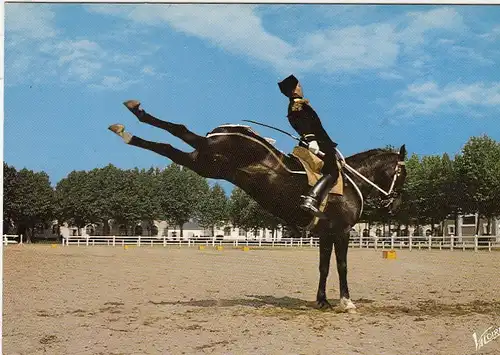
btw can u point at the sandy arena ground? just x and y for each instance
(105, 300)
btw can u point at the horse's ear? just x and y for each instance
(402, 152)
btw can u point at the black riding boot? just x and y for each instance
(317, 194)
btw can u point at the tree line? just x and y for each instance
(125, 197)
(438, 187)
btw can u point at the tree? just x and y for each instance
(9, 185)
(213, 209)
(32, 202)
(478, 177)
(76, 199)
(246, 213)
(180, 194)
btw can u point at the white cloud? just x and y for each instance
(33, 21)
(390, 76)
(351, 48)
(113, 83)
(428, 97)
(235, 28)
(492, 35)
(238, 29)
(420, 23)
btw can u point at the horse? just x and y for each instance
(275, 180)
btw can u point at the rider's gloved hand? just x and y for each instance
(314, 147)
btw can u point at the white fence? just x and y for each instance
(475, 243)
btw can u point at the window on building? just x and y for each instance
(257, 233)
(154, 230)
(366, 233)
(469, 220)
(227, 231)
(428, 232)
(378, 232)
(451, 230)
(89, 230)
(138, 230)
(242, 232)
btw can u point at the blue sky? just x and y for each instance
(427, 76)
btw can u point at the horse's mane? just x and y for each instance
(360, 159)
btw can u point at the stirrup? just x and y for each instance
(309, 206)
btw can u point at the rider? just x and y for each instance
(306, 122)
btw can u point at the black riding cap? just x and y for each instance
(288, 85)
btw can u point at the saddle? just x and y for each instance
(312, 165)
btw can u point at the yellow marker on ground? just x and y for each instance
(201, 247)
(245, 249)
(219, 247)
(125, 247)
(389, 254)
(53, 245)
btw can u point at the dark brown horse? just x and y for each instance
(237, 154)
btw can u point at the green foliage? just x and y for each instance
(478, 176)
(245, 213)
(180, 194)
(214, 209)
(29, 200)
(436, 188)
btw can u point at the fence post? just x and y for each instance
(475, 242)
(260, 242)
(452, 241)
(489, 245)
(311, 242)
(139, 241)
(87, 241)
(164, 240)
(361, 241)
(430, 242)
(410, 237)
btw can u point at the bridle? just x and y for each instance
(390, 194)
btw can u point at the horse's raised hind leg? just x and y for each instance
(325, 253)
(341, 247)
(177, 130)
(177, 156)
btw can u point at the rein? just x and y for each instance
(397, 172)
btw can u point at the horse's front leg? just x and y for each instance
(341, 247)
(325, 253)
(177, 130)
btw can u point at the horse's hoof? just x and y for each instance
(323, 304)
(117, 128)
(347, 306)
(132, 104)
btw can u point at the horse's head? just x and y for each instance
(386, 173)
(391, 177)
